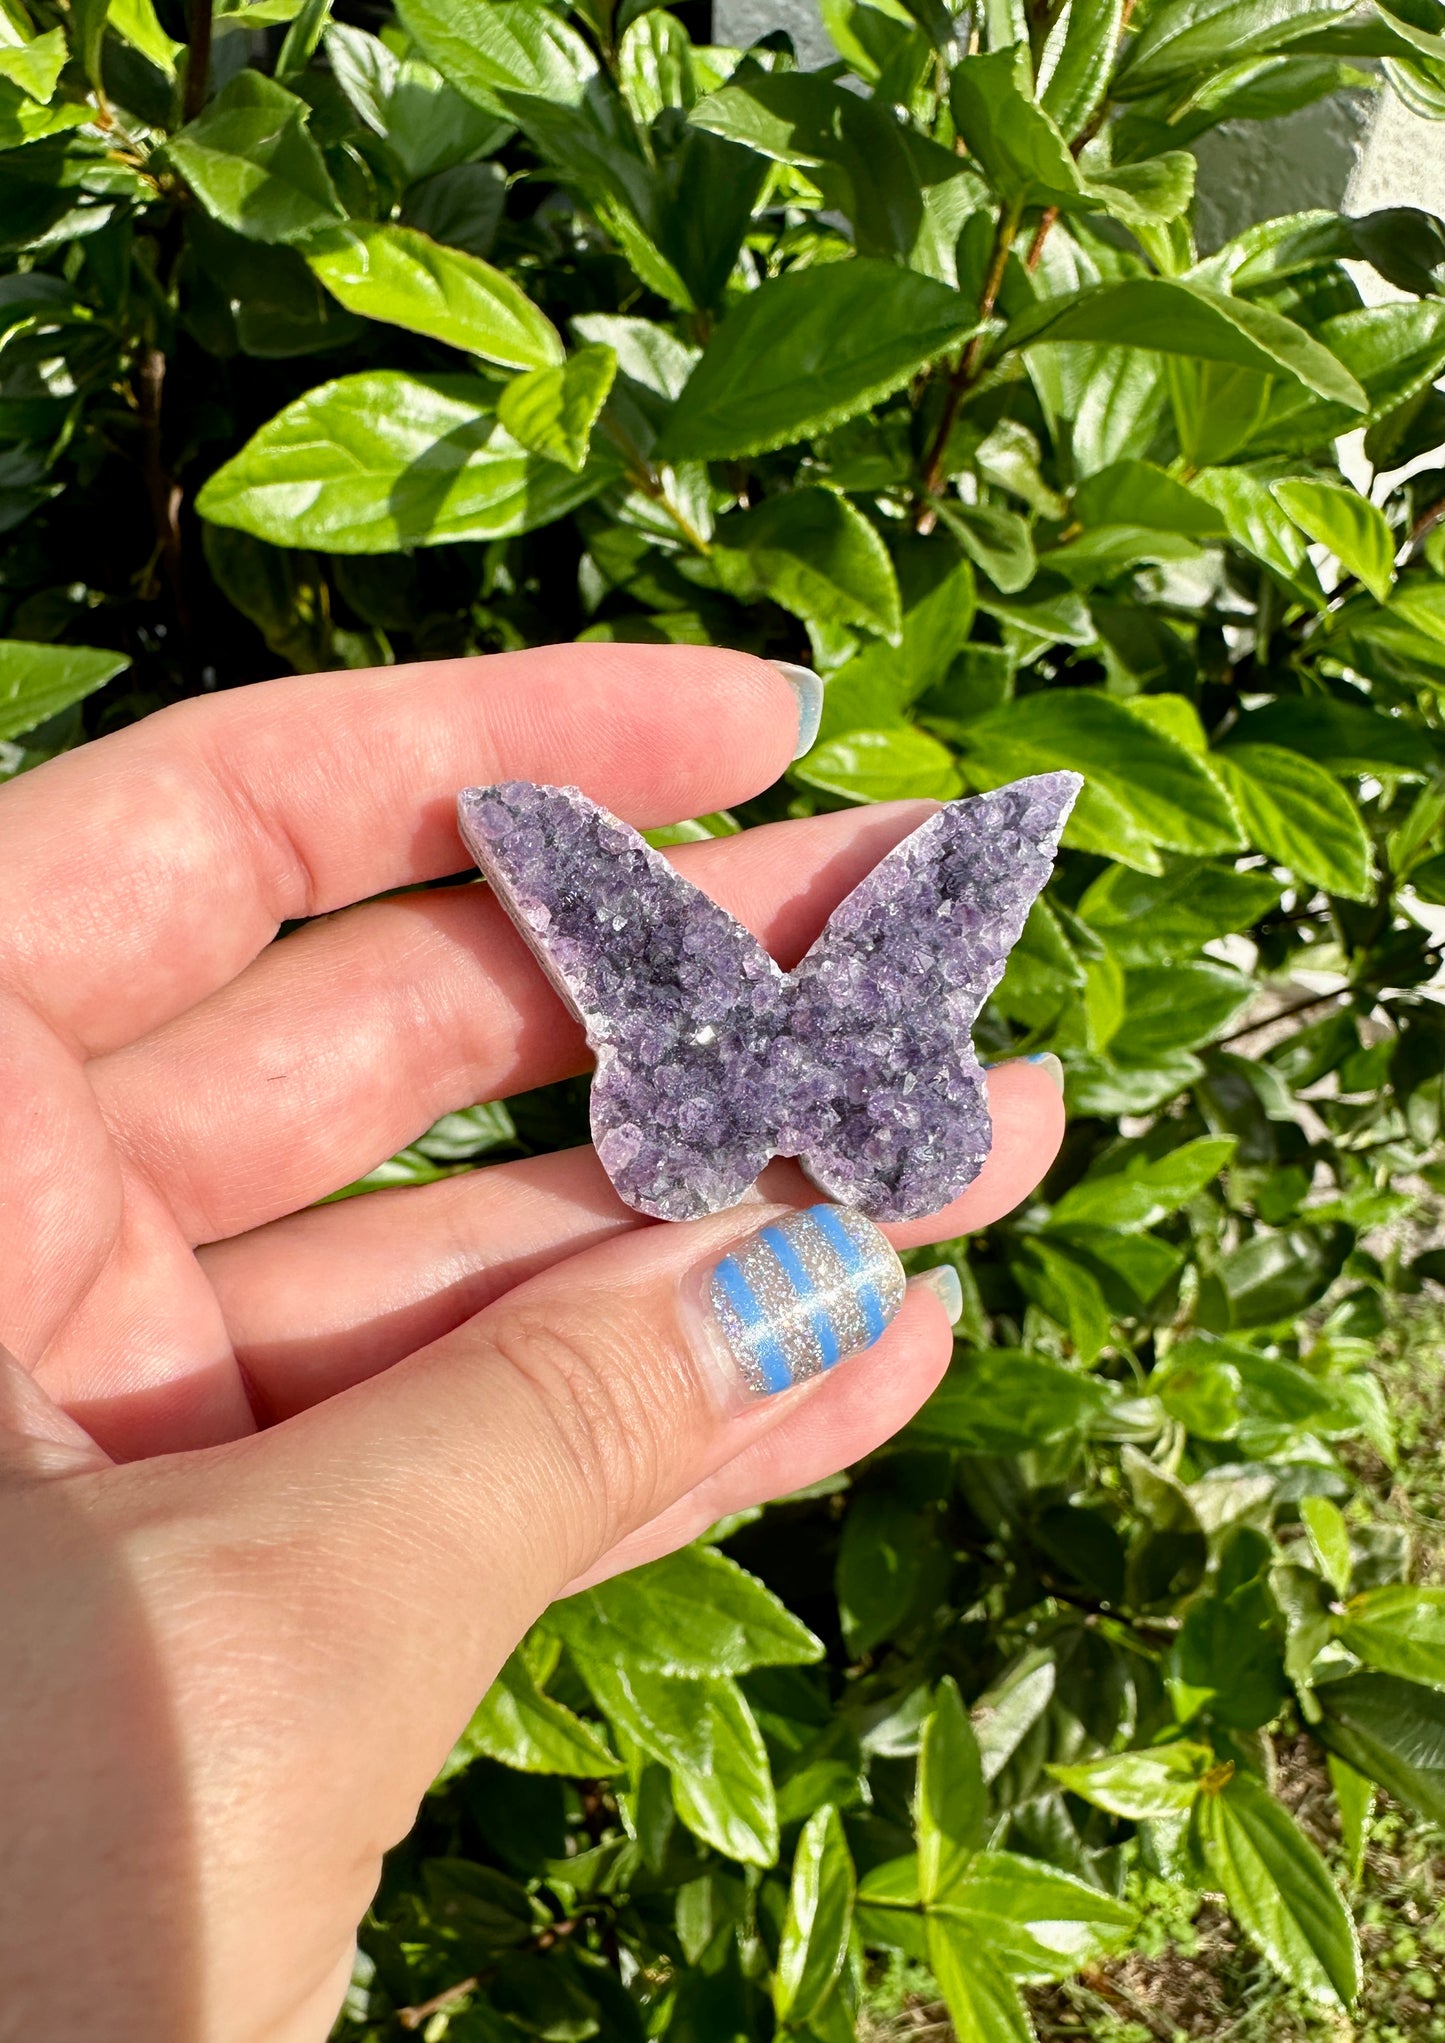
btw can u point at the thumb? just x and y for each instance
(446, 1502)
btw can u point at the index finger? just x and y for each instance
(145, 870)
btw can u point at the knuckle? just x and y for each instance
(602, 1418)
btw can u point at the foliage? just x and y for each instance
(329, 337)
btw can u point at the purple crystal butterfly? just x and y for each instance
(711, 1059)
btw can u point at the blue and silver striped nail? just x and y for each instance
(803, 1293)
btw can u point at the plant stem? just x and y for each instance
(965, 374)
(1041, 235)
(412, 2018)
(1280, 1014)
(198, 57)
(161, 487)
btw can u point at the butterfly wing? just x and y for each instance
(892, 1110)
(680, 1003)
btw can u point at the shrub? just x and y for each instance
(332, 339)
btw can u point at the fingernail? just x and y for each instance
(1045, 1059)
(947, 1287)
(803, 1293)
(808, 689)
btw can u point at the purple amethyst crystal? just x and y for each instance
(711, 1060)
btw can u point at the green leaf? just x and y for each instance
(1176, 317)
(875, 687)
(87, 33)
(252, 163)
(1035, 1919)
(704, 1733)
(1137, 493)
(1069, 1293)
(813, 552)
(998, 540)
(1355, 1801)
(1330, 1543)
(552, 411)
(951, 1808)
(1296, 813)
(1078, 81)
(493, 52)
(1160, 1781)
(38, 681)
(1255, 519)
(1180, 1007)
(402, 277)
(1168, 795)
(1089, 559)
(1145, 1191)
(1344, 736)
(1230, 1652)
(1112, 1085)
(1028, 161)
(1280, 1891)
(1186, 40)
(881, 766)
(525, 1729)
(807, 350)
(1398, 1628)
(1161, 918)
(819, 1921)
(138, 23)
(22, 120)
(1025, 158)
(35, 66)
(801, 118)
(1005, 1715)
(885, 1543)
(1391, 1730)
(1006, 1401)
(694, 1612)
(378, 461)
(1148, 194)
(983, 2002)
(1351, 527)
(1393, 351)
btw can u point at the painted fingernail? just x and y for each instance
(807, 687)
(1045, 1059)
(947, 1287)
(803, 1293)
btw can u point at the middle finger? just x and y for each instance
(341, 1043)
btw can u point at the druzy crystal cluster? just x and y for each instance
(711, 1060)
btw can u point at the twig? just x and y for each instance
(968, 364)
(1280, 1014)
(1041, 235)
(1085, 135)
(164, 491)
(198, 57)
(412, 2018)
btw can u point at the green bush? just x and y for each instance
(329, 341)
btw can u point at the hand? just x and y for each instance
(280, 1488)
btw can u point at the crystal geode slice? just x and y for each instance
(711, 1060)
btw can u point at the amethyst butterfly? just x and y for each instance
(711, 1059)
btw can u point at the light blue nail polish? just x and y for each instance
(803, 1294)
(808, 689)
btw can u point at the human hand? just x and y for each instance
(280, 1488)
